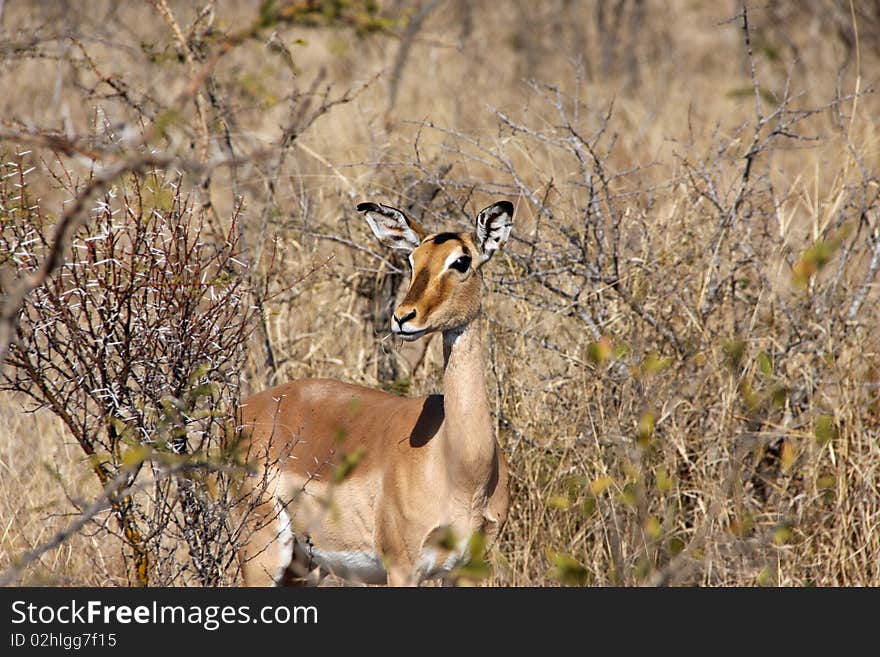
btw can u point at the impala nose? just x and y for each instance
(403, 320)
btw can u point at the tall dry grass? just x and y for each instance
(682, 357)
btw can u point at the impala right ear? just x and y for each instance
(391, 227)
(493, 228)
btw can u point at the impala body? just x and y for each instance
(371, 486)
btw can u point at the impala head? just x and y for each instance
(445, 289)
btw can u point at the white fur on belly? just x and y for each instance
(368, 568)
(355, 565)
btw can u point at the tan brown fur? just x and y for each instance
(421, 465)
(431, 293)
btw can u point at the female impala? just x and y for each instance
(371, 486)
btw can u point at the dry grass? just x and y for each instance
(704, 410)
(43, 483)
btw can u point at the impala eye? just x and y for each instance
(461, 264)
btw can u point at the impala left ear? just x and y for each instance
(392, 227)
(493, 228)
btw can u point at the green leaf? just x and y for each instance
(825, 429)
(813, 259)
(654, 363)
(134, 456)
(765, 365)
(475, 566)
(646, 429)
(599, 352)
(442, 538)
(348, 464)
(663, 481)
(567, 570)
(559, 502)
(734, 351)
(599, 484)
(778, 395)
(787, 455)
(652, 528)
(630, 495)
(675, 546)
(782, 533)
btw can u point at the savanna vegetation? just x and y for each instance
(682, 333)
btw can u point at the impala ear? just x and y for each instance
(391, 227)
(493, 228)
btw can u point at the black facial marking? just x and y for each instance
(445, 237)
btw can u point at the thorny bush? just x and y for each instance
(136, 342)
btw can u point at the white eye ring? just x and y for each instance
(451, 258)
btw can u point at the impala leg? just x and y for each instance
(302, 571)
(398, 564)
(401, 576)
(268, 552)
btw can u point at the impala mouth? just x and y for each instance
(409, 336)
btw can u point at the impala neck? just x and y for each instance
(470, 441)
